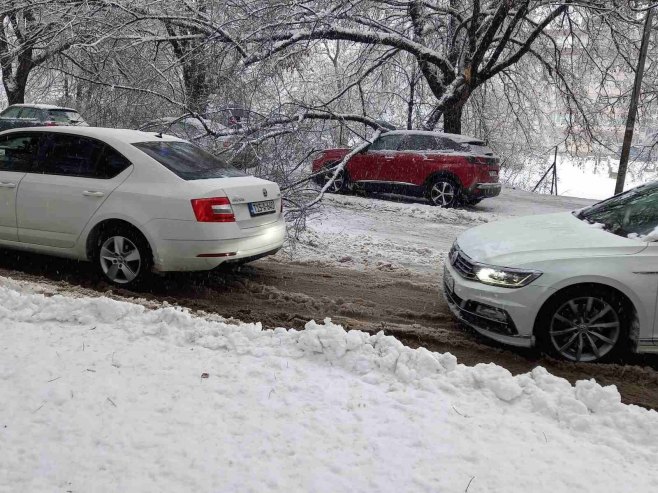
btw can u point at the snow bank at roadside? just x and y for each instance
(107, 395)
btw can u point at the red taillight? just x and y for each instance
(214, 210)
(51, 124)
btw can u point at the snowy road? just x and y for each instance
(371, 290)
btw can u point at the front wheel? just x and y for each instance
(340, 184)
(443, 192)
(585, 324)
(123, 257)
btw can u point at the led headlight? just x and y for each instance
(505, 277)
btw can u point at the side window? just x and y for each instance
(30, 113)
(420, 143)
(11, 112)
(111, 163)
(446, 144)
(387, 143)
(17, 151)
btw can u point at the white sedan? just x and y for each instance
(583, 285)
(131, 202)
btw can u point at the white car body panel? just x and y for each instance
(567, 251)
(54, 216)
(9, 182)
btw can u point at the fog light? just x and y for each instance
(491, 312)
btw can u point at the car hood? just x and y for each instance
(524, 240)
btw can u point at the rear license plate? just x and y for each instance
(448, 281)
(493, 173)
(260, 208)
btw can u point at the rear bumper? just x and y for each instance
(484, 190)
(207, 254)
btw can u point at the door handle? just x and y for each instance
(92, 193)
(7, 185)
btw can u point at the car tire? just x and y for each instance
(443, 192)
(341, 183)
(585, 324)
(123, 257)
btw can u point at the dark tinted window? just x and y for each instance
(72, 155)
(446, 144)
(30, 113)
(387, 143)
(17, 151)
(65, 116)
(635, 211)
(188, 161)
(420, 143)
(11, 112)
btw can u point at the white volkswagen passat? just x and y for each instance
(581, 285)
(131, 202)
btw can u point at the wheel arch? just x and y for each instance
(443, 174)
(636, 317)
(96, 231)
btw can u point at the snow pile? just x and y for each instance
(105, 395)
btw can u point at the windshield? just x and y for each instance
(188, 161)
(633, 213)
(65, 116)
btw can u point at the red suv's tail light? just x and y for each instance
(214, 210)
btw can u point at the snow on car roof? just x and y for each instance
(44, 107)
(107, 134)
(455, 137)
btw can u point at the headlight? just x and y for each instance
(505, 278)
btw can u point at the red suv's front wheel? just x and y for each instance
(443, 192)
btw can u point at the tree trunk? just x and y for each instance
(452, 120)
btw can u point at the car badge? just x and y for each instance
(264, 192)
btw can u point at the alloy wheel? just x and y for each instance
(585, 329)
(120, 259)
(337, 184)
(443, 193)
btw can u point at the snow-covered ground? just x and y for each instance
(366, 232)
(586, 177)
(105, 396)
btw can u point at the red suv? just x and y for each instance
(447, 169)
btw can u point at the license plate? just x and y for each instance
(448, 280)
(259, 208)
(493, 173)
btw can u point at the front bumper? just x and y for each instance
(504, 315)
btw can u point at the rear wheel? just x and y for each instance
(123, 257)
(443, 192)
(585, 324)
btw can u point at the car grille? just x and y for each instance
(461, 263)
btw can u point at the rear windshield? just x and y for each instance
(64, 116)
(188, 161)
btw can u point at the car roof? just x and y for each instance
(455, 137)
(123, 135)
(42, 107)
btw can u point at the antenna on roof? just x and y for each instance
(159, 134)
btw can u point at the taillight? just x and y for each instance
(51, 124)
(214, 210)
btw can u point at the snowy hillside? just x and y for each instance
(101, 395)
(360, 232)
